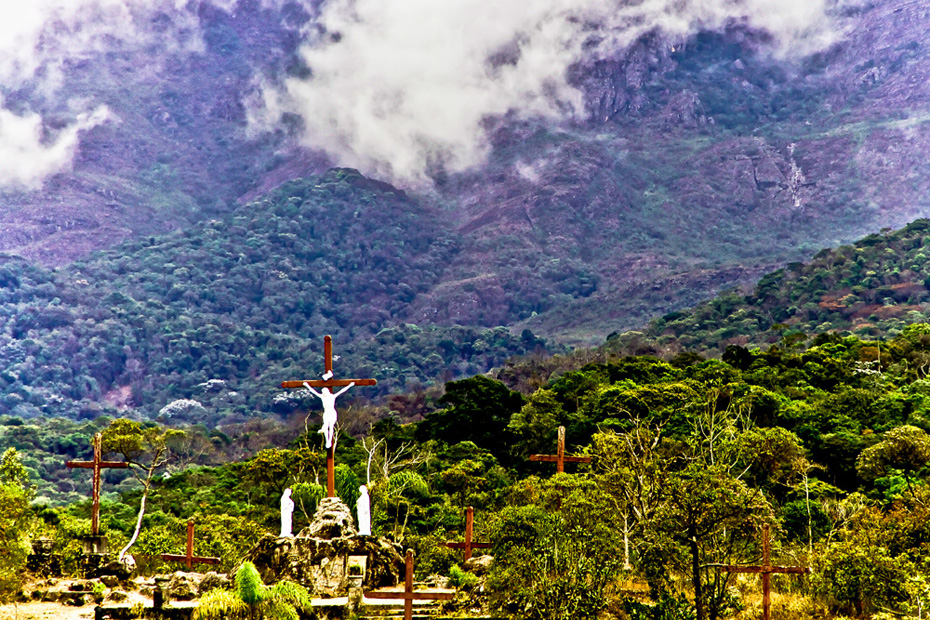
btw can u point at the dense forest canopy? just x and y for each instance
(828, 444)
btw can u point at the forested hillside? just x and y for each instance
(874, 287)
(828, 445)
(223, 311)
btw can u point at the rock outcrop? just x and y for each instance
(321, 555)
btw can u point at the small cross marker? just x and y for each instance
(559, 458)
(189, 558)
(408, 595)
(766, 570)
(327, 383)
(468, 545)
(97, 464)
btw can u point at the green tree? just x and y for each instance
(709, 517)
(16, 521)
(253, 600)
(147, 448)
(906, 449)
(477, 409)
(555, 556)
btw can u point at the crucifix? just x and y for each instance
(97, 464)
(189, 558)
(559, 458)
(468, 545)
(328, 399)
(408, 595)
(766, 569)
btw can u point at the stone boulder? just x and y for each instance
(323, 565)
(332, 519)
(479, 564)
(183, 586)
(214, 581)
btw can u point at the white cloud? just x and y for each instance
(39, 38)
(400, 85)
(27, 158)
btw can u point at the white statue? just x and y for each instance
(363, 509)
(287, 512)
(329, 407)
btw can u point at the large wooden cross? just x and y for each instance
(559, 458)
(328, 383)
(468, 545)
(408, 595)
(97, 464)
(189, 558)
(766, 569)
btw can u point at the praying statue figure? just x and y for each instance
(329, 407)
(287, 512)
(363, 509)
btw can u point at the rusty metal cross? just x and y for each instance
(97, 464)
(766, 569)
(328, 383)
(408, 595)
(189, 558)
(468, 545)
(559, 458)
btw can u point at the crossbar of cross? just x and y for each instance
(96, 464)
(559, 458)
(469, 544)
(766, 569)
(408, 595)
(328, 383)
(189, 558)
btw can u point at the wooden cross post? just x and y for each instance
(328, 383)
(408, 595)
(468, 545)
(189, 558)
(766, 569)
(97, 464)
(559, 458)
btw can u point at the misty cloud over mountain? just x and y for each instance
(400, 88)
(396, 88)
(41, 40)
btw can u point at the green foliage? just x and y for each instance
(461, 579)
(861, 578)
(252, 599)
(906, 448)
(477, 410)
(668, 607)
(874, 287)
(16, 522)
(201, 325)
(555, 559)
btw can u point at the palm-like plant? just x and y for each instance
(253, 600)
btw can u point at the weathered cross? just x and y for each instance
(766, 569)
(329, 382)
(468, 545)
(408, 595)
(559, 458)
(189, 558)
(97, 464)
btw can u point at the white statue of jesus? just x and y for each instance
(287, 512)
(329, 407)
(363, 509)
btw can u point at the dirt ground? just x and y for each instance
(45, 611)
(57, 611)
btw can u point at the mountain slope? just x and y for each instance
(874, 288)
(226, 310)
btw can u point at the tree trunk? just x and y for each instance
(696, 574)
(135, 534)
(145, 493)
